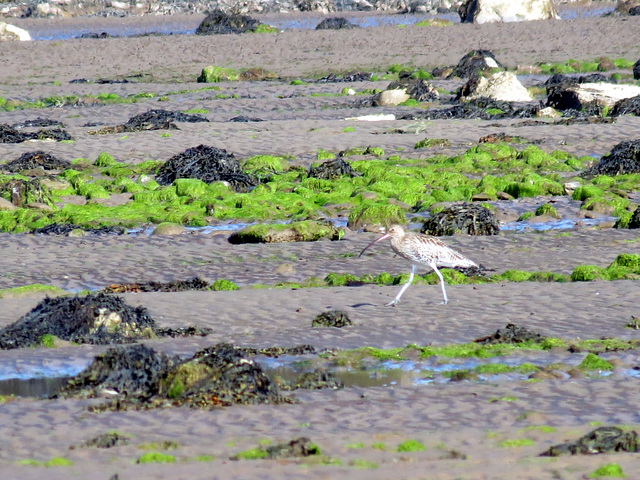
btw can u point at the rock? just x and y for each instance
(10, 33)
(503, 86)
(484, 11)
(605, 64)
(624, 158)
(549, 112)
(511, 334)
(636, 70)
(307, 231)
(219, 22)
(417, 89)
(332, 169)
(390, 98)
(606, 439)
(594, 96)
(168, 228)
(626, 106)
(332, 318)
(468, 218)
(6, 205)
(571, 187)
(336, 23)
(635, 219)
(474, 63)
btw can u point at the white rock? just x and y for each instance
(390, 98)
(374, 118)
(503, 86)
(11, 32)
(606, 94)
(485, 11)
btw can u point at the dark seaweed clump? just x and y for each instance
(347, 77)
(153, 120)
(39, 122)
(142, 378)
(468, 218)
(332, 169)
(209, 164)
(474, 63)
(105, 440)
(194, 283)
(67, 228)
(96, 318)
(8, 134)
(278, 351)
(626, 106)
(38, 159)
(316, 380)
(600, 440)
(624, 158)
(336, 23)
(332, 318)
(133, 371)
(511, 334)
(219, 22)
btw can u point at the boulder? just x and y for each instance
(626, 106)
(636, 70)
(474, 63)
(12, 33)
(389, 98)
(485, 11)
(467, 218)
(586, 96)
(624, 158)
(417, 89)
(336, 23)
(503, 86)
(219, 22)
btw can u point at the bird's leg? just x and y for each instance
(404, 287)
(444, 293)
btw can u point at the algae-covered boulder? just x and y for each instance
(332, 169)
(209, 164)
(219, 22)
(307, 231)
(96, 318)
(133, 371)
(606, 439)
(37, 159)
(468, 218)
(23, 192)
(624, 158)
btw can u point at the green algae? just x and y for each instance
(515, 443)
(609, 470)
(54, 462)
(363, 464)
(155, 457)
(411, 446)
(27, 290)
(251, 454)
(215, 74)
(547, 209)
(223, 285)
(594, 362)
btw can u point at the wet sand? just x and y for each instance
(452, 420)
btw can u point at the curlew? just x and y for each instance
(420, 249)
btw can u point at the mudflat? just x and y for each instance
(486, 429)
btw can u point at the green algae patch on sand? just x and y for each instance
(594, 362)
(223, 285)
(515, 443)
(360, 463)
(155, 457)
(411, 446)
(610, 470)
(36, 289)
(306, 231)
(215, 74)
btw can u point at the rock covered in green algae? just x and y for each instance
(332, 318)
(332, 169)
(600, 440)
(307, 231)
(96, 318)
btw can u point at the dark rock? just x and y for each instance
(624, 158)
(38, 122)
(636, 70)
(219, 22)
(635, 219)
(468, 218)
(96, 318)
(38, 159)
(133, 371)
(601, 440)
(332, 169)
(476, 109)
(106, 440)
(511, 334)
(474, 63)
(67, 228)
(332, 318)
(347, 77)
(626, 106)
(634, 11)
(243, 118)
(336, 23)
(209, 164)
(159, 116)
(194, 283)
(418, 89)
(95, 35)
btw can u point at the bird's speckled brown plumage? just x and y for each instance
(424, 250)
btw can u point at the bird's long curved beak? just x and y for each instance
(386, 235)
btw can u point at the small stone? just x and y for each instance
(168, 228)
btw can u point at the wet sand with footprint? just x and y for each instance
(490, 428)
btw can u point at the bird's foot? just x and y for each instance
(392, 303)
